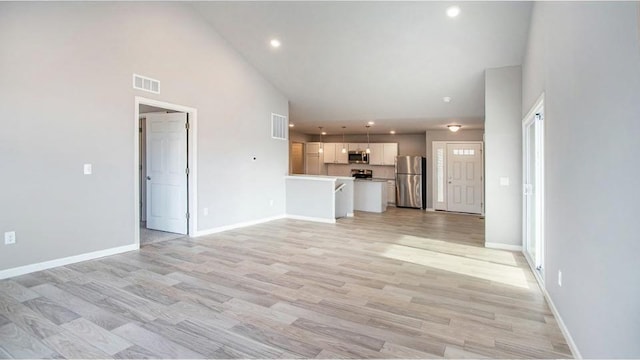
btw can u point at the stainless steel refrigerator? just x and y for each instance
(411, 186)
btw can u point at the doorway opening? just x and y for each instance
(533, 194)
(165, 171)
(297, 158)
(458, 172)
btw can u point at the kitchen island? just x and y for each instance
(370, 195)
(319, 198)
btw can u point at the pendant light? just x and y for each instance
(321, 150)
(344, 149)
(368, 151)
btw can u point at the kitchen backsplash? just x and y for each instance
(382, 172)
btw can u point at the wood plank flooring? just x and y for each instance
(402, 284)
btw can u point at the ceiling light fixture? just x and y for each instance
(392, 132)
(454, 128)
(368, 150)
(291, 125)
(275, 43)
(344, 149)
(446, 99)
(453, 11)
(321, 150)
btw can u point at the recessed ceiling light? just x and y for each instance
(446, 99)
(370, 123)
(291, 125)
(275, 43)
(392, 132)
(453, 11)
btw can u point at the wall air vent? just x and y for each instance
(146, 84)
(279, 127)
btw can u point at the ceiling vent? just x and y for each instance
(279, 127)
(146, 84)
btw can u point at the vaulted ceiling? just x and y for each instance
(346, 63)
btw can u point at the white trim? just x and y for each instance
(565, 331)
(26, 269)
(528, 120)
(192, 161)
(500, 246)
(236, 226)
(313, 219)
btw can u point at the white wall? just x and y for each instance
(444, 135)
(66, 99)
(503, 156)
(585, 57)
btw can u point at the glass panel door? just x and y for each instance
(533, 191)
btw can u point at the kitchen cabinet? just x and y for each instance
(333, 153)
(390, 153)
(312, 147)
(370, 195)
(313, 159)
(391, 191)
(357, 147)
(383, 154)
(376, 157)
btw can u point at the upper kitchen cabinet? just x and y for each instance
(313, 147)
(376, 157)
(383, 153)
(390, 153)
(359, 147)
(333, 153)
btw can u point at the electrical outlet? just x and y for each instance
(87, 169)
(205, 211)
(559, 277)
(10, 237)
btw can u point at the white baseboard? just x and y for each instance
(26, 269)
(237, 226)
(563, 328)
(503, 246)
(572, 345)
(350, 214)
(314, 219)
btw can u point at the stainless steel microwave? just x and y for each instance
(358, 157)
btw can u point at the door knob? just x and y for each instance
(148, 177)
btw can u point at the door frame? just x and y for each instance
(192, 163)
(434, 184)
(530, 118)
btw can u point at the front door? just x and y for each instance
(167, 172)
(464, 183)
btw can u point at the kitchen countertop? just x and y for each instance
(372, 180)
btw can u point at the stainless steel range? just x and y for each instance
(362, 173)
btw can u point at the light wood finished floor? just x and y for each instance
(403, 284)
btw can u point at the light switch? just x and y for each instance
(504, 181)
(87, 169)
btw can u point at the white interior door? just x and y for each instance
(167, 172)
(464, 178)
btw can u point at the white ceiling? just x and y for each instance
(346, 63)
